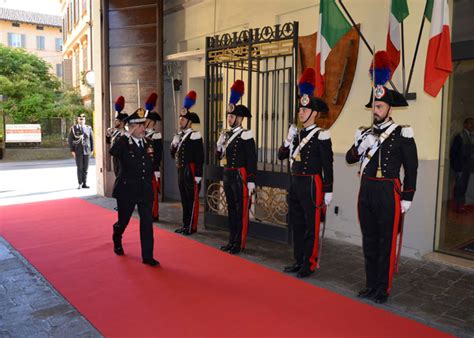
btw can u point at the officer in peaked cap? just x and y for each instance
(309, 151)
(188, 152)
(383, 200)
(236, 148)
(133, 185)
(81, 145)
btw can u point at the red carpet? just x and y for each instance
(198, 291)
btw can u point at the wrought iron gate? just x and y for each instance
(265, 59)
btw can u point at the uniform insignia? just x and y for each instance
(305, 100)
(195, 135)
(141, 113)
(379, 92)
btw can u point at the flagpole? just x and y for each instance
(416, 50)
(362, 36)
(403, 60)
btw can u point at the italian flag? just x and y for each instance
(332, 27)
(398, 13)
(438, 59)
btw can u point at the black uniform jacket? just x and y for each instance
(316, 157)
(134, 181)
(190, 151)
(241, 152)
(397, 150)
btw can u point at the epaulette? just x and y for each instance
(407, 132)
(324, 135)
(195, 135)
(156, 136)
(246, 135)
(363, 128)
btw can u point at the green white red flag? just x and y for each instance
(398, 13)
(332, 27)
(438, 58)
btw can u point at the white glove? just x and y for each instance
(291, 135)
(221, 142)
(197, 179)
(367, 143)
(157, 175)
(251, 187)
(405, 205)
(175, 141)
(357, 137)
(327, 198)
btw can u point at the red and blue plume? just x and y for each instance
(190, 99)
(150, 102)
(307, 82)
(119, 104)
(236, 91)
(381, 68)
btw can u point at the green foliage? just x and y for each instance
(32, 92)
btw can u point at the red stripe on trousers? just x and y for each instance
(195, 214)
(318, 185)
(396, 223)
(245, 207)
(156, 187)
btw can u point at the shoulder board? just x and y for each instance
(407, 132)
(363, 128)
(195, 135)
(156, 136)
(246, 135)
(324, 135)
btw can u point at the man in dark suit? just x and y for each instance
(81, 144)
(133, 185)
(462, 162)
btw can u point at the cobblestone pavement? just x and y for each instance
(29, 305)
(431, 293)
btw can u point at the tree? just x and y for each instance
(32, 92)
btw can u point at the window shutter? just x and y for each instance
(23, 40)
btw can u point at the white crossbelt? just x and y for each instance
(372, 151)
(303, 142)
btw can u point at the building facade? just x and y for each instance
(77, 44)
(37, 33)
(430, 226)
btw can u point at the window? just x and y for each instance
(59, 70)
(69, 18)
(40, 42)
(15, 24)
(84, 58)
(84, 7)
(40, 28)
(59, 45)
(77, 78)
(16, 40)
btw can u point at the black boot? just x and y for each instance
(295, 267)
(304, 272)
(226, 247)
(234, 250)
(381, 297)
(151, 262)
(85, 186)
(366, 293)
(117, 239)
(181, 230)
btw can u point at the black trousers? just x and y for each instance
(82, 163)
(235, 188)
(125, 209)
(305, 203)
(189, 202)
(460, 185)
(379, 216)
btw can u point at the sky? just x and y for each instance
(40, 6)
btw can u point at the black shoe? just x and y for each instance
(181, 230)
(156, 219)
(304, 272)
(295, 267)
(226, 247)
(381, 298)
(85, 186)
(366, 293)
(234, 250)
(151, 262)
(188, 232)
(119, 251)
